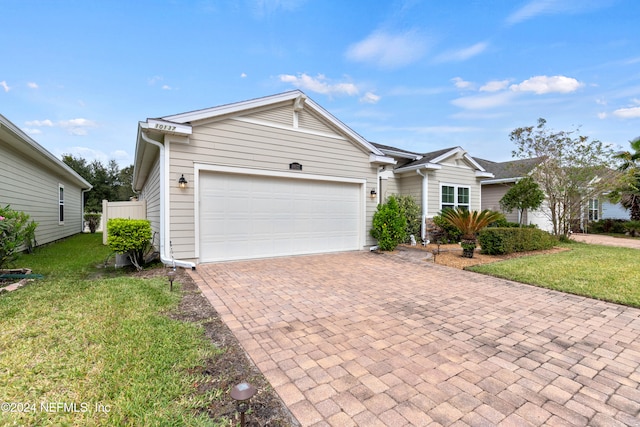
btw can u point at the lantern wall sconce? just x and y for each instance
(373, 193)
(182, 182)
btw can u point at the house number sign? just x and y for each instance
(165, 127)
(295, 166)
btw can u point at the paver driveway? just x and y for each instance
(364, 339)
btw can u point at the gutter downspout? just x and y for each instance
(425, 204)
(164, 207)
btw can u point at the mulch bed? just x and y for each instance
(232, 367)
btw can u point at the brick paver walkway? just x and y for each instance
(370, 340)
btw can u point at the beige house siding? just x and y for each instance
(32, 187)
(491, 195)
(452, 175)
(151, 194)
(246, 144)
(410, 184)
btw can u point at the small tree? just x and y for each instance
(131, 237)
(470, 223)
(575, 169)
(524, 195)
(389, 225)
(93, 219)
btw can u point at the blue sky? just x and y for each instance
(77, 76)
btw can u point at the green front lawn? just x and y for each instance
(88, 346)
(602, 272)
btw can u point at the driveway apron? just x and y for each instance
(362, 339)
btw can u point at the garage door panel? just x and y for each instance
(250, 216)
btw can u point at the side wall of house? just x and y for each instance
(452, 175)
(151, 194)
(32, 186)
(264, 140)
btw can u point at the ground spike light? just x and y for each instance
(241, 393)
(171, 275)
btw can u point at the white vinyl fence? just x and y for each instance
(127, 210)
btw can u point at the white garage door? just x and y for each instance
(255, 216)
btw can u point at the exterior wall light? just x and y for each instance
(182, 182)
(373, 193)
(241, 393)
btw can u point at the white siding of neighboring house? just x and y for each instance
(614, 211)
(32, 187)
(250, 142)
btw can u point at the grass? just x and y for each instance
(98, 343)
(601, 272)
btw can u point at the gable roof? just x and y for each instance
(432, 159)
(23, 143)
(509, 171)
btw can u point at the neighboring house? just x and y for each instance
(279, 176)
(506, 174)
(34, 181)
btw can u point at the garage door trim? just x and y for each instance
(200, 167)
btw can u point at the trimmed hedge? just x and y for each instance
(501, 241)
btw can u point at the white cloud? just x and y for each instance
(388, 50)
(319, 84)
(39, 123)
(462, 54)
(5, 86)
(78, 126)
(461, 83)
(602, 115)
(155, 79)
(166, 87)
(32, 85)
(370, 98)
(627, 113)
(551, 7)
(545, 84)
(480, 102)
(494, 86)
(243, 75)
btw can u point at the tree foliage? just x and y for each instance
(628, 192)
(131, 237)
(470, 223)
(575, 169)
(109, 182)
(524, 195)
(389, 225)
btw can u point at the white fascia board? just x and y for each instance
(499, 181)
(474, 163)
(169, 127)
(220, 110)
(484, 174)
(381, 159)
(401, 154)
(426, 166)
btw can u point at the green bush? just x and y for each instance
(633, 228)
(608, 226)
(411, 212)
(389, 225)
(130, 236)
(93, 219)
(500, 241)
(16, 233)
(503, 223)
(450, 233)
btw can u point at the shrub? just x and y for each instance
(389, 225)
(411, 212)
(500, 241)
(503, 223)
(131, 237)
(93, 219)
(470, 223)
(450, 233)
(613, 226)
(16, 233)
(633, 228)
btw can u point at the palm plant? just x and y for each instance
(629, 195)
(469, 223)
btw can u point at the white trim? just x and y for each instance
(452, 152)
(455, 200)
(289, 128)
(381, 159)
(168, 127)
(61, 203)
(499, 181)
(206, 167)
(427, 166)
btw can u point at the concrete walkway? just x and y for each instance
(361, 339)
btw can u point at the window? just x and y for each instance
(454, 196)
(61, 204)
(594, 211)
